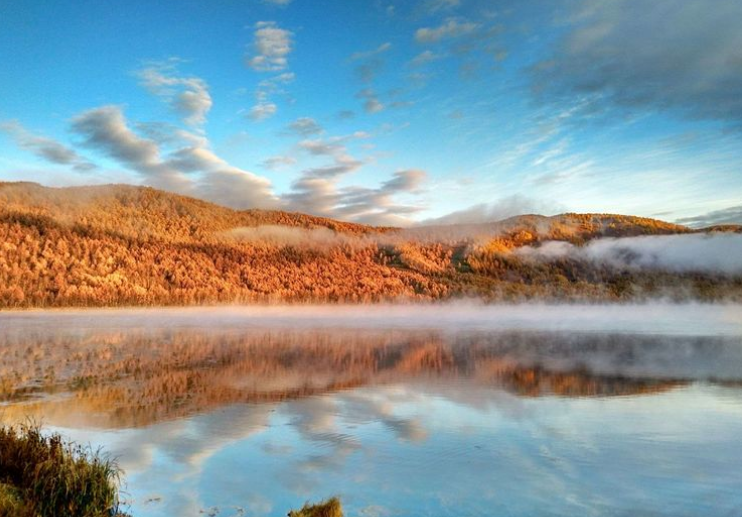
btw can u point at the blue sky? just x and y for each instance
(380, 111)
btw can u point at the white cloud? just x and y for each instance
(425, 57)
(270, 49)
(322, 147)
(193, 169)
(318, 190)
(46, 148)
(106, 130)
(264, 107)
(305, 126)
(187, 96)
(319, 194)
(238, 189)
(451, 28)
(262, 111)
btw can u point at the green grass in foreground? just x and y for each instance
(328, 508)
(41, 476)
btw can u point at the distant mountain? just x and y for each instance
(127, 245)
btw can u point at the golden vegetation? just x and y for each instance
(328, 508)
(124, 245)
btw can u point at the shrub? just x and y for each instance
(328, 508)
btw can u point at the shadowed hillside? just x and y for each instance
(125, 245)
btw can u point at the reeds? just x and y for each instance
(42, 476)
(329, 508)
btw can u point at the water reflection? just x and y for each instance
(137, 378)
(252, 421)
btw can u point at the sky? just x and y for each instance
(391, 112)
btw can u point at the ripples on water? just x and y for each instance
(530, 412)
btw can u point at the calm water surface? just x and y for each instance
(401, 411)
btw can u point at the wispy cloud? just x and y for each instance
(496, 211)
(435, 6)
(264, 106)
(319, 194)
(370, 63)
(371, 102)
(278, 162)
(305, 126)
(105, 129)
(425, 57)
(193, 169)
(384, 47)
(731, 215)
(664, 55)
(46, 148)
(451, 28)
(187, 96)
(262, 110)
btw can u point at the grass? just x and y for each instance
(329, 508)
(42, 476)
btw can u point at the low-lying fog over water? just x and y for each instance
(400, 410)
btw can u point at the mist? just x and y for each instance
(689, 319)
(708, 253)
(313, 238)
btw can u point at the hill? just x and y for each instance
(146, 213)
(126, 245)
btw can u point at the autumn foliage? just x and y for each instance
(123, 245)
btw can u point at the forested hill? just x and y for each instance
(147, 213)
(126, 245)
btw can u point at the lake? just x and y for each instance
(434, 410)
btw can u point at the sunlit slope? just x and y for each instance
(147, 213)
(126, 245)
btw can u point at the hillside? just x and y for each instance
(124, 245)
(147, 214)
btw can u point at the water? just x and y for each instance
(401, 411)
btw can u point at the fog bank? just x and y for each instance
(709, 253)
(652, 318)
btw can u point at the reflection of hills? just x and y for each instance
(136, 378)
(536, 382)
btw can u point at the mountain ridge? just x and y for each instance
(30, 195)
(128, 245)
